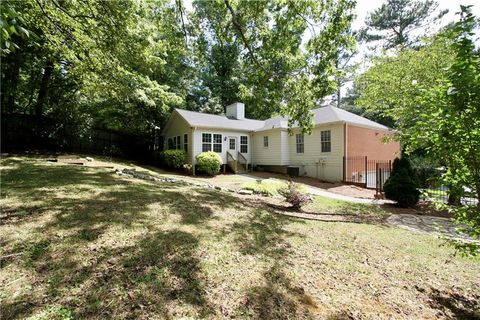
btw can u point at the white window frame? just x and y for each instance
(265, 141)
(300, 142)
(208, 143)
(244, 144)
(179, 143)
(217, 144)
(324, 142)
(212, 142)
(185, 142)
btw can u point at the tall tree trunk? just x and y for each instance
(10, 82)
(43, 91)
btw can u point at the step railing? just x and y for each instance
(232, 162)
(242, 161)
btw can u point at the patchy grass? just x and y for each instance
(265, 187)
(327, 205)
(81, 242)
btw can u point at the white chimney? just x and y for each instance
(236, 111)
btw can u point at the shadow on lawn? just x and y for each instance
(278, 297)
(460, 306)
(69, 261)
(154, 271)
(126, 282)
(264, 234)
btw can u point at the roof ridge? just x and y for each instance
(216, 115)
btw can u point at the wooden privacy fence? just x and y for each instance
(23, 132)
(367, 173)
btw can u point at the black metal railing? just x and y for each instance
(368, 173)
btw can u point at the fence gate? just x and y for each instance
(366, 172)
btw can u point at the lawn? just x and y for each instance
(79, 242)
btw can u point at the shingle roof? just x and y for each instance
(198, 119)
(325, 115)
(321, 115)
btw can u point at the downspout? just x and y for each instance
(193, 149)
(345, 149)
(251, 150)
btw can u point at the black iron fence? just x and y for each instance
(372, 174)
(365, 172)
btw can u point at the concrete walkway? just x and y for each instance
(428, 224)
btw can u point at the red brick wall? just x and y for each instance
(368, 142)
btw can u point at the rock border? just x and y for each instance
(143, 176)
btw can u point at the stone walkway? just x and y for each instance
(427, 224)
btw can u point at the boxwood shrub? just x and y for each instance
(209, 162)
(402, 185)
(174, 159)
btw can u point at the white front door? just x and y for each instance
(233, 145)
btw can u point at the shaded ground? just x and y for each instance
(83, 242)
(433, 225)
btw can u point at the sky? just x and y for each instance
(366, 6)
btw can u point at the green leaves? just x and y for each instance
(285, 53)
(434, 95)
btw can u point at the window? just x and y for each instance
(243, 144)
(300, 145)
(170, 143)
(326, 141)
(265, 142)
(178, 145)
(232, 144)
(209, 144)
(185, 142)
(217, 142)
(206, 142)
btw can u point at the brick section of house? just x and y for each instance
(368, 142)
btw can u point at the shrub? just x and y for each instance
(295, 197)
(174, 159)
(209, 162)
(402, 184)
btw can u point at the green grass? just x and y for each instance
(270, 187)
(327, 205)
(81, 242)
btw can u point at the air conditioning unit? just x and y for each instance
(293, 171)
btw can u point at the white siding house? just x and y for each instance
(269, 145)
(207, 132)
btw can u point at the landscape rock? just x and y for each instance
(244, 191)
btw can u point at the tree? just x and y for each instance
(125, 65)
(389, 88)
(274, 67)
(395, 21)
(452, 123)
(437, 109)
(79, 69)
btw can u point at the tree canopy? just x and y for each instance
(126, 64)
(433, 94)
(395, 21)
